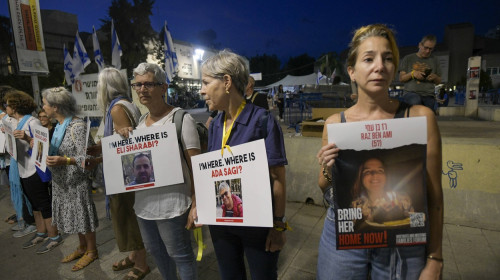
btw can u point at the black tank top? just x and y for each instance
(400, 112)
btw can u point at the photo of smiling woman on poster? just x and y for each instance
(380, 204)
(231, 205)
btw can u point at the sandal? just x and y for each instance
(138, 274)
(75, 255)
(121, 266)
(85, 260)
(12, 219)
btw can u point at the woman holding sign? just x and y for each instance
(73, 207)
(224, 78)
(114, 99)
(19, 105)
(372, 63)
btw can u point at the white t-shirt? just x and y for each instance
(169, 201)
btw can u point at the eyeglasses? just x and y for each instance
(224, 194)
(427, 48)
(43, 117)
(147, 85)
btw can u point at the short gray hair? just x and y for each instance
(227, 63)
(222, 186)
(159, 74)
(62, 99)
(111, 84)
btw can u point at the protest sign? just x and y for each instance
(225, 185)
(10, 139)
(379, 183)
(148, 159)
(41, 144)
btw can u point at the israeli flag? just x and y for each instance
(97, 51)
(80, 57)
(320, 77)
(68, 67)
(116, 51)
(170, 55)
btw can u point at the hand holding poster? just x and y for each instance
(379, 183)
(10, 139)
(234, 189)
(149, 158)
(41, 144)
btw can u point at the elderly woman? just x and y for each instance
(224, 78)
(20, 105)
(114, 99)
(164, 213)
(231, 203)
(72, 204)
(372, 63)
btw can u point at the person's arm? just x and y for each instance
(326, 155)
(193, 215)
(434, 264)
(433, 77)
(277, 239)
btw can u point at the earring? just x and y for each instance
(227, 91)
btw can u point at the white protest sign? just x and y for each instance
(157, 160)
(10, 139)
(41, 144)
(2, 140)
(226, 185)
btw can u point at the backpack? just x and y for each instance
(200, 128)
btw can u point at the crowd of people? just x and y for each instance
(158, 220)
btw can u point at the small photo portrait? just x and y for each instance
(229, 199)
(137, 168)
(39, 151)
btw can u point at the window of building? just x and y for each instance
(493, 70)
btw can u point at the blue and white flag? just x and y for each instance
(97, 51)
(320, 77)
(80, 57)
(116, 49)
(170, 55)
(68, 67)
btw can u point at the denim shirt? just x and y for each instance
(252, 124)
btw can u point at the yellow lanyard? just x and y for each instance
(225, 136)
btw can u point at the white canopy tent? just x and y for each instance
(290, 81)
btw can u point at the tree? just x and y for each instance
(300, 65)
(269, 66)
(133, 28)
(329, 62)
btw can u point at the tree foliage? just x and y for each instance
(133, 27)
(269, 66)
(300, 65)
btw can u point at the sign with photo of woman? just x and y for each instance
(40, 149)
(379, 182)
(10, 139)
(224, 185)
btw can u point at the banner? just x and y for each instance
(226, 185)
(41, 144)
(149, 159)
(28, 36)
(379, 183)
(10, 139)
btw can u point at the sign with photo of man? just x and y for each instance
(149, 158)
(225, 185)
(379, 193)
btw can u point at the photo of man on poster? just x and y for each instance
(142, 169)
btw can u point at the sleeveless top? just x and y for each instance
(400, 112)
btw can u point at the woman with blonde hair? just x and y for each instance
(372, 63)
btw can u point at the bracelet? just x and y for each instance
(325, 174)
(68, 160)
(412, 77)
(285, 228)
(431, 257)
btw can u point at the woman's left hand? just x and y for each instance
(192, 219)
(19, 134)
(275, 240)
(432, 270)
(56, 160)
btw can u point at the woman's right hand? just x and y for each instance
(125, 132)
(327, 154)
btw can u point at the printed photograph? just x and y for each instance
(39, 151)
(137, 168)
(229, 199)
